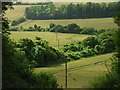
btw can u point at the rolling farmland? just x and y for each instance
(94, 53)
(50, 37)
(78, 76)
(97, 23)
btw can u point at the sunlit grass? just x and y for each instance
(79, 77)
(50, 37)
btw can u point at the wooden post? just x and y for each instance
(56, 34)
(65, 73)
(58, 43)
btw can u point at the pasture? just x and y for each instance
(50, 37)
(97, 23)
(78, 76)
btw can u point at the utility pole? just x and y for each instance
(66, 73)
(58, 43)
(56, 34)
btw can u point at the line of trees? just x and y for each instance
(70, 28)
(72, 11)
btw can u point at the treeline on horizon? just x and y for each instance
(72, 11)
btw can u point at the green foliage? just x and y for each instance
(15, 65)
(90, 42)
(39, 52)
(18, 21)
(44, 80)
(17, 71)
(116, 59)
(107, 41)
(90, 31)
(112, 80)
(72, 28)
(72, 11)
(94, 45)
(5, 21)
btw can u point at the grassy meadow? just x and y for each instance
(100, 23)
(50, 37)
(97, 23)
(79, 77)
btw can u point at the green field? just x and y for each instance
(50, 37)
(100, 23)
(79, 77)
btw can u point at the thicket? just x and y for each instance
(72, 11)
(93, 45)
(18, 21)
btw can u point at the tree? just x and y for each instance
(71, 27)
(112, 80)
(5, 21)
(16, 69)
(116, 60)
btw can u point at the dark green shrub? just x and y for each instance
(18, 21)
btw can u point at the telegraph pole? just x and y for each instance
(66, 73)
(58, 43)
(56, 34)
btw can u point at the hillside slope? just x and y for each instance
(80, 72)
(50, 37)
